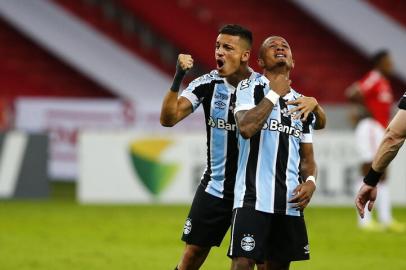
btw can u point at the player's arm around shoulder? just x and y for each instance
(308, 169)
(305, 106)
(175, 108)
(250, 118)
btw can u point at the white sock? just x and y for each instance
(383, 204)
(362, 222)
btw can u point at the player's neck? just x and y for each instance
(237, 77)
(272, 74)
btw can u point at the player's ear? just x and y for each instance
(245, 56)
(261, 62)
(293, 63)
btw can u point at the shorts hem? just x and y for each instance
(196, 243)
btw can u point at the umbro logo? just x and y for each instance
(220, 105)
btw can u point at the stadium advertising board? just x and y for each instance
(139, 168)
(64, 118)
(126, 167)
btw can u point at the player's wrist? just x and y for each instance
(177, 80)
(311, 178)
(272, 96)
(372, 178)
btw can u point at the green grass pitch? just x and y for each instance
(60, 234)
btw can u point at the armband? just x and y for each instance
(272, 96)
(372, 177)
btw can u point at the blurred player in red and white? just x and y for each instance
(373, 92)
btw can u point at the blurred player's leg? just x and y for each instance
(384, 208)
(383, 205)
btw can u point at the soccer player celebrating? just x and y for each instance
(393, 139)
(375, 94)
(210, 214)
(276, 171)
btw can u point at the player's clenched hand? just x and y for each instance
(302, 195)
(185, 62)
(366, 194)
(304, 106)
(280, 84)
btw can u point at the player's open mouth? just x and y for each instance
(280, 55)
(220, 63)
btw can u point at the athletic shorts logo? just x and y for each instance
(188, 226)
(307, 249)
(248, 242)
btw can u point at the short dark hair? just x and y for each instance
(237, 30)
(378, 56)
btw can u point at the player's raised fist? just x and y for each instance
(280, 84)
(185, 62)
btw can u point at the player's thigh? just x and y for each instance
(288, 239)
(208, 220)
(249, 231)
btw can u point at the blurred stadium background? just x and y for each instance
(89, 179)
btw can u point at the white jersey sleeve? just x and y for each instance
(245, 96)
(308, 126)
(197, 90)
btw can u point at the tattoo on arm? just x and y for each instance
(387, 151)
(251, 121)
(394, 138)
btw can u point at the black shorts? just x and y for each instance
(263, 236)
(208, 220)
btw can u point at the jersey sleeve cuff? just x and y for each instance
(192, 98)
(307, 138)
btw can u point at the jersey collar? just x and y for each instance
(232, 88)
(288, 96)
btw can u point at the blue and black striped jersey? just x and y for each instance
(268, 164)
(218, 99)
